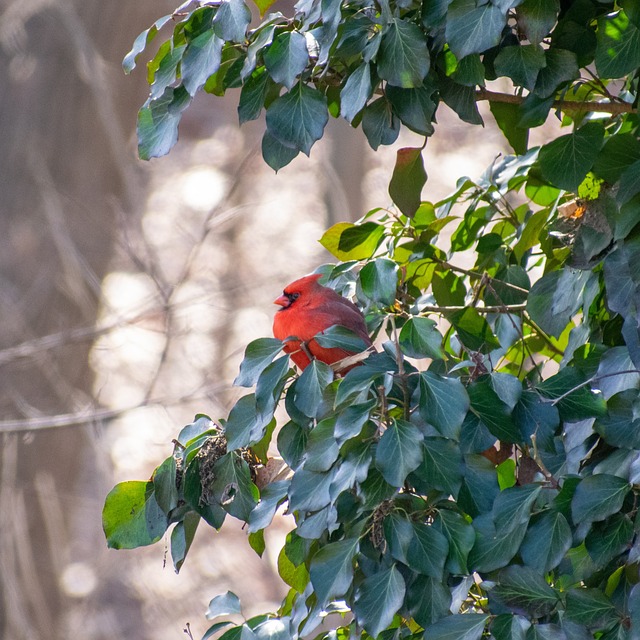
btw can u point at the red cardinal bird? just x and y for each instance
(308, 308)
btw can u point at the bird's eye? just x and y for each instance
(293, 296)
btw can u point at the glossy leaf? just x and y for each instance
(331, 569)
(287, 58)
(399, 452)
(407, 180)
(467, 626)
(403, 59)
(597, 497)
(419, 338)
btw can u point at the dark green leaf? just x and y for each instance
(310, 387)
(419, 338)
(473, 330)
(322, 448)
(597, 497)
(565, 161)
(271, 497)
(547, 541)
(629, 183)
(139, 44)
(521, 63)
(298, 118)
(162, 71)
(200, 426)
(380, 124)
(609, 539)
(202, 500)
(461, 537)
(355, 92)
(493, 413)
(347, 241)
(510, 627)
(619, 152)
(164, 485)
(158, 122)
(399, 452)
(275, 154)
(618, 50)
(257, 357)
(233, 487)
(462, 99)
(414, 107)
(562, 66)
(181, 538)
(131, 517)
(287, 58)
(524, 591)
(462, 626)
(427, 550)
(473, 29)
(231, 20)
(428, 600)
(403, 59)
(377, 600)
(480, 485)
(351, 420)
(244, 425)
(590, 607)
(441, 467)
(340, 337)
(398, 532)
(331, 569)
(537, 17)
(444, 402)
(253, 95)
(309, 490)
(507, 116)
(407, 180)
(378, 281)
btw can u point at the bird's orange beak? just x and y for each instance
(283, 301)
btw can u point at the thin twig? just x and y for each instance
(513, 308)
(555, 401)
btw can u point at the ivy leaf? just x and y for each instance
(597, 497)
(427, 550)
(547, 541)
(462, 626)
(347, 241)
(461, 537)
(378, 281)
(380, 124)
(521, 63)
(226, 604)
(257, 357)
(561, 66)
(271, 497)
(340, 337)
(201, 59)
(331, 569)
(164, 485)
(139, 44)
(537, 17)
(414, 107)
(507, 117)
(524, 591)
(377, 600)
(420, 338)
(441, 467)
(590, 607)
(565, 161)
(407, 180)
(158, 122)
(201, 501)
(233, 487)
(131, 516)
(473, 330)
(461, 99)
(399, 452)
(322, 448)
(472, 29)
(355, 92)
(231, 20)
(444, 403)
(275, 154)
(310, 387)
(298, 118)
(428, 600)
(618, 48)
(619, 152)
(253, 95)
(403, 59)
(182, 537)
(287, 57)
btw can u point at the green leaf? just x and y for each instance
(296, 576)
(590, 607)
(510, 627)
(561, 66)
(619, 152)
(181, 538)
(399, 452)
(231, 20)
(521, 63)
(275, 154)
(378, 281)
(257, 357)
(495, 546)
(462, 626)
(377, 600)
(322, 447)
(356, 92)
(629, 183)
(619, 427)
(298, 118)
(414, 107)
(347, 241)
(331, 569)
(443, 403)
(131, 516)
(462, 99)
(609, 539)
(537, 17)
(441, 467)
(201, 59)
(340, 337)
(428, 600)
(403, 59)
(309, 490)
(460, 536)
(233, 487)
(351, 420)
(565, 161)
(263, 5)
(473, 29)
(507, 117)
(547, 541)
(494, 414)
(244, 425)
(164, 485)
(407, 180)
(420, 338)
(473, 330)
(226, 604)
(139, 44)
(618, 48)
(597, 497)
(427, 550)
(287, 57)
(253, 95)
(199, 427)
(310, 387)
(524, 591)
(201, 501)
(158, 122)
(271, 497)
(380, 124)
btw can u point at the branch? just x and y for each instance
(614, 108)
(587, 382)
(513, 308)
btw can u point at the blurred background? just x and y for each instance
(128, 291)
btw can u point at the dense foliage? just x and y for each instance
(480, 473)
